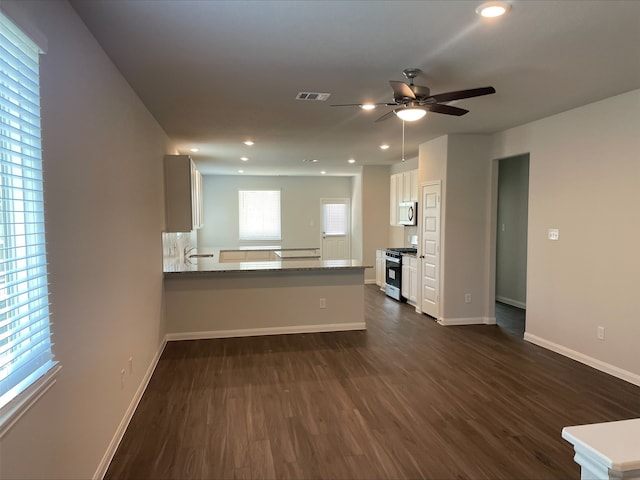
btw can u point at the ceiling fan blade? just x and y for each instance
(386, 116)
(421, 91)
(401, 90)
(447, 109)
(460, 94)
(361, 104)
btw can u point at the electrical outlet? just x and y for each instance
(467, 298)
(600, 333)
(323, 303)
(130, 365)
(553, 234)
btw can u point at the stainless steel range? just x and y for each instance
(393, 271)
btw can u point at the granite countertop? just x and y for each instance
(208, 265)
(261, 247)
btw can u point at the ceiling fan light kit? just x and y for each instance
(410, 114)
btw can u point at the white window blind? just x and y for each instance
(25, 338)
(259, 215)
(335, 218)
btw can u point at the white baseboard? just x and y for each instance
(253, 332)
(512, 302)
(466, 321)
(582, 358)
(370, 281)
(124, 423)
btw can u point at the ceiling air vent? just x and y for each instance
(312, 96)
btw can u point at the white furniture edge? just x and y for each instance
(253, 332)
(124, 423)
(606, 450)
(582, 358)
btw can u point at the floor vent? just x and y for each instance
(312, 96)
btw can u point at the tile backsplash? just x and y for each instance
(175, 244)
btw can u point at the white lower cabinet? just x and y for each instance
(410, 279)
(380, 268)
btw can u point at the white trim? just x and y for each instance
(124, 423)
(512, 302)
(370, 281)
(586, 359)
(253, 332)
(466, 321)
(15, 409)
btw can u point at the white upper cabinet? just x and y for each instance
(403, 188)
(182, 193)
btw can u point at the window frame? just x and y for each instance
(41, 376)
(266, 235)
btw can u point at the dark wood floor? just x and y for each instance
(408, 398)
(510, 319)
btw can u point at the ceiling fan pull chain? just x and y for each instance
(403, 140)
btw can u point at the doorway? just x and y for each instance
(511, 243)
(336, 227)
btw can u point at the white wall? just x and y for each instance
(584, 177)
(299, 201)
(102, 155)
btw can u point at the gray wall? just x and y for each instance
(583, 180)
(299, 203)
(102, 156)
(511, 243)
(375, 214)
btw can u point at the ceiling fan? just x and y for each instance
(415, 100)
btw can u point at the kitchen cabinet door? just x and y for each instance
(413, 281)
(182, 193)
(406, 278)
(413, 179)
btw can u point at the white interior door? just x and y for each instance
(336, 228)
(430, 249)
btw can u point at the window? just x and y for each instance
(259, 214)
(25, 338)
(335, 218)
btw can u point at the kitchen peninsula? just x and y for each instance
(208, 299)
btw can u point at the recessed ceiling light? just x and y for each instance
(248, 143)
(194, 150)
(244, 159)
(367, 106)
(352, 160)
(384, 146)
(493, 9)
(323, 172)
(240, 171)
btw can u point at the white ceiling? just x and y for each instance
(214, 73)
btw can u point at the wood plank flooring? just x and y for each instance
(406, 399)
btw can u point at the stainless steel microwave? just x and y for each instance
(408, 213)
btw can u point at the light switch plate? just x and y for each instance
(554, 234)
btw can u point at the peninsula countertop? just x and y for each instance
(206, 266)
